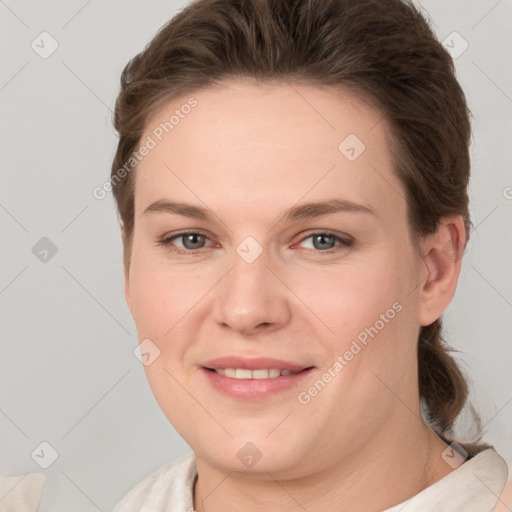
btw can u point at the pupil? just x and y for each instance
(194, 239)
(322, 240)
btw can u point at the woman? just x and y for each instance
(291, 179)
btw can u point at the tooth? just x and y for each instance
(243, 374)
(260, 374)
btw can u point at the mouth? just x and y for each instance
(254, 379)
(245, 373)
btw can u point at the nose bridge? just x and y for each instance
(250, 295)
(248, 276)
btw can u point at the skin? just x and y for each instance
(248, 152)
(505, 501)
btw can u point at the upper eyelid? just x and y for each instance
(184, 233)
(169, 238)
(342, 238)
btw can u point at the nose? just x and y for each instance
(251, 299)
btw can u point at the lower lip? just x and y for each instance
(254, 389)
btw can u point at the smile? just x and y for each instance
(254, 384)
(243, 373)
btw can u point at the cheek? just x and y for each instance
(348, 299)
(161, 295)
(162, 304)
(152, 306)
(373, 317)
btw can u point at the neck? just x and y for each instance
(395, 466)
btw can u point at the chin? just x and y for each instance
(257, 457)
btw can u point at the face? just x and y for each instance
(271, 233)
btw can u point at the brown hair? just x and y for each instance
(380, 49)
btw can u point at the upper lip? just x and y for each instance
(254, 363)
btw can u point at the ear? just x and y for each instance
(126, 272)
(442, 256)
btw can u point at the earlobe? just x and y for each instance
(442, 258)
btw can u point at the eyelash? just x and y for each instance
(166, 242)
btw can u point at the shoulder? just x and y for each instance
(171, 485)
(472, 487)
(21, 493)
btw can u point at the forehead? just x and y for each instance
(273, 144)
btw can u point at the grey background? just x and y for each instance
(68, 372)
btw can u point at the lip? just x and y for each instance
(256, 363)
(253, 389)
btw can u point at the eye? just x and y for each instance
(189, 241)
(325, 241)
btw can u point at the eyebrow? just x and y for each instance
(299, 212)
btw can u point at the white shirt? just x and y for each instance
(21, 493)
(473, 487)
